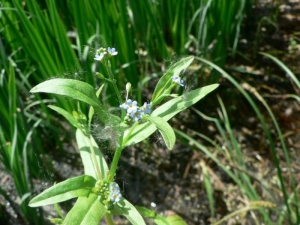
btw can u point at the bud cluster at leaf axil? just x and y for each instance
(109, 192)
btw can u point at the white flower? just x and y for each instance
(100, 56)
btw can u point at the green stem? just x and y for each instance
(99, 176)
(124, 141)
(108, 219)
(111, 77)
(113, 82)
(114, 164)
(117, 155)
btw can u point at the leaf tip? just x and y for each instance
(33, 90)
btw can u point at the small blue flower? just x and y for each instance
(132, 106)
(135, 112)
(136, 116)
(124, 106)
(113, 187)
(112, 51)
(115, 194)
(146, 108)
(178, 80)
(100, 56)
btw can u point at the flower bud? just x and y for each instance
(100, 75)
(128, 87)
(76, 115)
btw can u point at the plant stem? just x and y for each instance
(111, 77)
(114, 164)
(118, 152)
(113, 82)
(129, 133)
(108, 219)
(98, 172)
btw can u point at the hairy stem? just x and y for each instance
(118, 152)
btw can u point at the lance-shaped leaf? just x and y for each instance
(158, 219)
(176, 220)
(69, 117)
(86, 211)
(166, 111)
(86, 155)
(78, 90)
(163, 87)
(71, 188)
(126, 209)
(165, 130)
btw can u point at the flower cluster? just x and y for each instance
(109, 192)
(101, 52)
(135, 112)
(178, 80)
(114, 192)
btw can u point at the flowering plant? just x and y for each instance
(97, 192)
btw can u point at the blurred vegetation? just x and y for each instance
(41, 39)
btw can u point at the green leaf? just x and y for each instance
(158, 219)
(91, 110)
(71, 188)
(78, 90)
(86, 211)
(165, 130)
(68, 116)
(86, 156)
(176, 220)
(126, 209)
(166, 111)
(163, 87)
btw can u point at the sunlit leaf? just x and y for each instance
(86, 211)
(158, 219)
(167, 111)
(162, 88)
(86, 155)
(165, 130)
(126, 209)
(71, 188)
(176, 220)
(78, 90)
